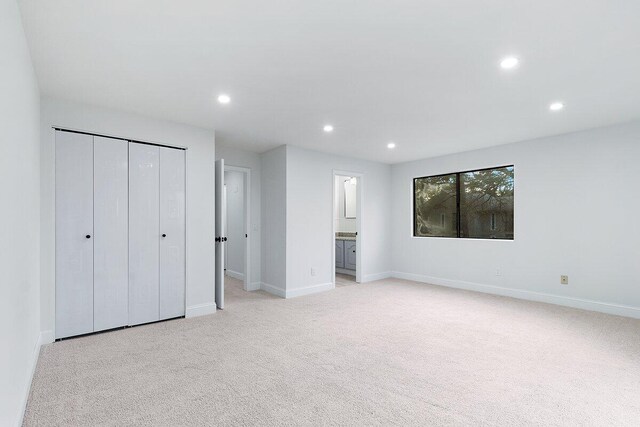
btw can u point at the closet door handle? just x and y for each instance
(164, 235)
(88, 236)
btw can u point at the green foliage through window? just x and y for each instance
(475, 204)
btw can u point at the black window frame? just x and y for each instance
(457, 174)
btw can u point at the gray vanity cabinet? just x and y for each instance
(350, 254)
(340, 253)
(346, 254)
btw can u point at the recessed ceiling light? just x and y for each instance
(224, 99)
(509, 62)
(391, 145)
(556, 106)
(327, 128)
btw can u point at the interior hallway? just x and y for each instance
(234, 292)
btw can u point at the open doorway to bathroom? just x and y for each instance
(237, 260)
(347, 216)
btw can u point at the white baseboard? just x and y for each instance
(253, 286)
(273, 290)
(201, 309)
(32, 370)
(308, 290)
(376, 276)
(47, 337)
(584, 304)
(235, 274)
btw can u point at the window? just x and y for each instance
(479, 203)
(435, 197)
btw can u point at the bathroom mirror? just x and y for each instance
(350, 197)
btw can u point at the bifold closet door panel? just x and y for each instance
(144, 233)
(111, 234)
(74, 234)
(172, 233)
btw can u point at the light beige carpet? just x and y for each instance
(386, 353)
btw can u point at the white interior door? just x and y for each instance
(220, 221)
(111, 234)
(172, 233)
(226, 226)
(144, 233)
(74, 232)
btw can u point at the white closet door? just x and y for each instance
(172, 232)
(74, 232)
(111, 234)
(144, 233)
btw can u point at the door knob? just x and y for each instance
(88, 236)
(164, 235)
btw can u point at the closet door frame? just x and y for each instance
(59, 128)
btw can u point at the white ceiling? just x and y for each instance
(423, 73)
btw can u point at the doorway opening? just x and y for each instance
(347, 235)
(233, 213)
(237, 261)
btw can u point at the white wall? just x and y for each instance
(246, 159)
(20, 217)
(576, 208)
(200, 145)
(343, 223)
(234, 252)
(310, 239)
(274, 220)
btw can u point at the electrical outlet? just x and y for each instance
(564, 280)
(313, 271)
